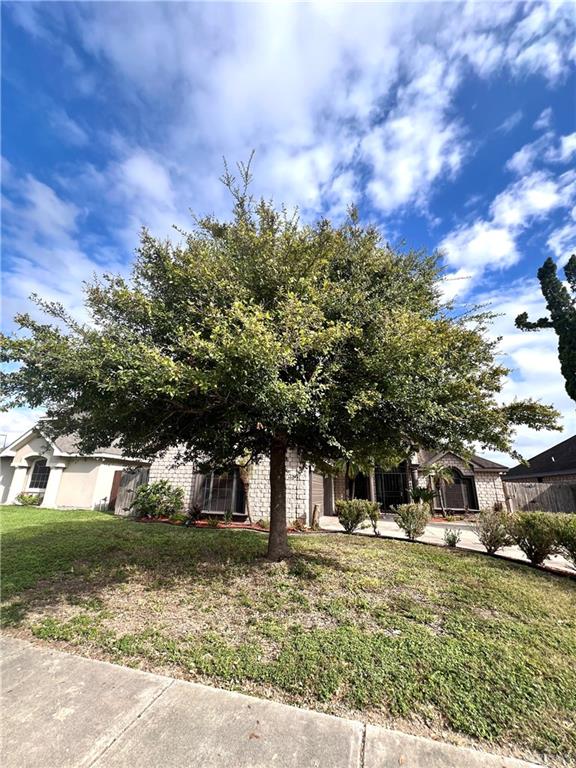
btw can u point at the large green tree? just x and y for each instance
(561, 304)
(260, 334)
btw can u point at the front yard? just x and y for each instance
(428, 640)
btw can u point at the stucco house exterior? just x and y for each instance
(555, 465)
(478, 485)
(59, 473)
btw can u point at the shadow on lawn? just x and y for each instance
(75, 561)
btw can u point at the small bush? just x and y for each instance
(179, 517)
(212, 522)
(352, 513)
(29, 499)
(412, 519)
(493, 529)
(263, 523)
(537, 534)
(159, 499)
(374, 515)
(452, 537)
(567, 536)
(299, 524)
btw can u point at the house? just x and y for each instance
(56, 471)
(477, 485)
(556, 465)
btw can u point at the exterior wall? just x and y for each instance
(163, 468)
(103, 484)
(297, 483)
(37, 446)
(78, 484)
(6, 475)
(297, 489)
(489, 489)
(569, 478)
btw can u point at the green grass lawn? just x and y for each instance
(427, 639)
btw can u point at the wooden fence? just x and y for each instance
(547, 497)
(130, 480)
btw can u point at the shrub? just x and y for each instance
(567, 536)
(212, 522)
(299, 524)
(29, 499)
(412, 518)
(537, 534)
(179, 517)
(374, 515)
(493, 529)
(353, 512)
(159, 499)
(452, 537)
(263, 523)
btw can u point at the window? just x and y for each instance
(40, 475)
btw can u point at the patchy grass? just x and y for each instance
(431, 640)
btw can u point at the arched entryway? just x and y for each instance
(461, 494)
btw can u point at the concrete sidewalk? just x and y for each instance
(60, 710)
(434, 534)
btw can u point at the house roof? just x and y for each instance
(477, 462)
(558, 460)
(63, 445)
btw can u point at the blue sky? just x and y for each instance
(451, 125)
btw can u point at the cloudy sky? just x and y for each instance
(450, 125)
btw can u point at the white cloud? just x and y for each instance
(68, 129)
(491, 243)
(544, 120)
(511, 121)
(42, 250)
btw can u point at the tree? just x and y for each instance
(263, 333)
(440, 477)
(561, 304)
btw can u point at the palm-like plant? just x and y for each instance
(440, 476)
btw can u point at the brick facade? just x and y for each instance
(297, 483)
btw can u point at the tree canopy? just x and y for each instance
(262, 333)
(561, 304)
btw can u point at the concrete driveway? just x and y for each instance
(63, 711)
(434, 534)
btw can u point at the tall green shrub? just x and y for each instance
(537, 534)
(354, 512)
(412, 519)
(159, 499)
(567, 536)
(493, 529)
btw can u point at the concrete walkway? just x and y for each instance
(63, 711)
(434, 534)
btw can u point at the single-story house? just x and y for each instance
(556, 465)
(477, 485)
(56, 471)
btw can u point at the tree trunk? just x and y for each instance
(441, 496)
(278, 548)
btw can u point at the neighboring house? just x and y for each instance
(478, 484)
(556, 465)
(59, 473)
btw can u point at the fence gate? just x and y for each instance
(547, 497)
(131, 478)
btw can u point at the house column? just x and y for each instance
(18, 482)
(53, 486)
